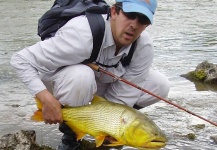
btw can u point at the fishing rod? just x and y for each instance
(99, 69)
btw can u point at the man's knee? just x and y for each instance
(158, 84)
(75, 85)
(163, 86)
(81, 75)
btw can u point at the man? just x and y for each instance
(52, 69)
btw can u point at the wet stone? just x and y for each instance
(214, 138)
(205, 72)
(21, 140)
(199, 126)
(191, 136)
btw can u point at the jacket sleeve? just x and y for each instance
(67, 47)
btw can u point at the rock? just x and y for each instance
(204, 76)
(199, 126)
(191, 136)
(21, 140)
(205, 72)
(214, 138)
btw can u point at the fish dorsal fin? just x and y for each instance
(38, 103)
(97, 99)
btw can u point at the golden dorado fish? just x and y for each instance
(103, 118)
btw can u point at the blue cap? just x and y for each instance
(146, 7)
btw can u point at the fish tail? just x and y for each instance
(37, 116)
(38, 103)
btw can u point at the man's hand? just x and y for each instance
(51, 109)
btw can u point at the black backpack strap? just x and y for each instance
(127, 59)
(108, 66)
(97, 26)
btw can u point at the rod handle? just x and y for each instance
(93, 66)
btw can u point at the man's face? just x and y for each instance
(125, 30)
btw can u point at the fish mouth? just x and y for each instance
(156, 143)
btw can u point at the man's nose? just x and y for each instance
(135, 23)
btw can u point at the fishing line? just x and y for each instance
(98, 69)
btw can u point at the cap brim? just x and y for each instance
(133, 7)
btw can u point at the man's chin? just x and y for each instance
(127, 41)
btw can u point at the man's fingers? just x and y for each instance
(45, 121)
(54, 121)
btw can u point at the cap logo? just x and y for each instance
(148, 1)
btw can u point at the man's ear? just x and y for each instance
(113, 12)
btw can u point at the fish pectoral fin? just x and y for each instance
(37, 116)
(99, 140)
(114, 143)
(80, 135)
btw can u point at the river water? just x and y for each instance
(184, 34)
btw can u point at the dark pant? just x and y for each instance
(69, 140)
